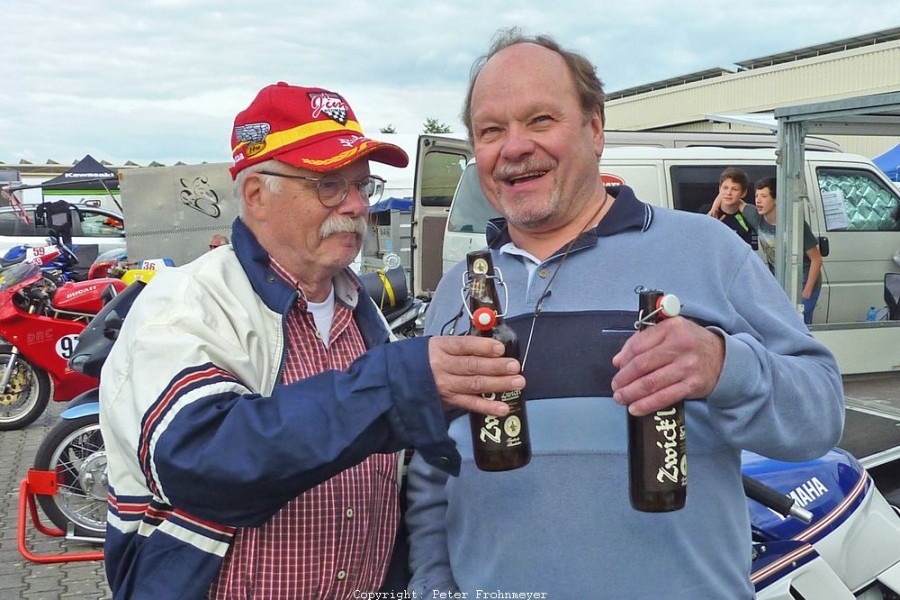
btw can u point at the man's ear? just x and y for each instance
(255, 198)
(597, 132)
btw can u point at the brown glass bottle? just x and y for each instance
(657, 459)
(498, 443)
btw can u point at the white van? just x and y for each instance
(441, 161)
(852, 208)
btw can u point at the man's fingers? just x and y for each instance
(470, 356)
(674, 360)
(466, 345)
(478, 404)
(468, 367)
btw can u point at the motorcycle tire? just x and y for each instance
(26, 396)
(75, 451)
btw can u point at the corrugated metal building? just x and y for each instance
(867, 64)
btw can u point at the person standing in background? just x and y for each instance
(761, 218)
(217, 240)
(733, 186)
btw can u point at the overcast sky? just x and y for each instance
(162, 79)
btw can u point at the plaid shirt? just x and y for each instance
(336, 538)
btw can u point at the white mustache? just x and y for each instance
(341, 224)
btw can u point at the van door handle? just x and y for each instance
(823, 245)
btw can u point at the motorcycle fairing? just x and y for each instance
(831, 487)
(774, 560)
(84, 296)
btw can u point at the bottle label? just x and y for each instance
(671, 442)
(503, 431)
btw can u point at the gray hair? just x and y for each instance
(273, 183)
(587, 85)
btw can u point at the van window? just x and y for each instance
(694, 188)
(856, 200)
(95, 224)
(9, 222)
(471, 211)
(441, 172)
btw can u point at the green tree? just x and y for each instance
(389, 129)
(434, 126)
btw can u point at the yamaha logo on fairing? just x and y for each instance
(810, 491)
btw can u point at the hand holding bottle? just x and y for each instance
(466, 367)
(668, 362)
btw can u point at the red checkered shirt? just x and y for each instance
(337, 538)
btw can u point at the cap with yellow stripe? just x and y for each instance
(309, 128)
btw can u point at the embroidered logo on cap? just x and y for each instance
(254, 134)
(330, 104)
(351, 141)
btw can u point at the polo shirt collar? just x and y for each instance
(626, 213)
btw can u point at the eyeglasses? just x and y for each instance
(332, 189)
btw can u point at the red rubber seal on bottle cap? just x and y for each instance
(484, 318)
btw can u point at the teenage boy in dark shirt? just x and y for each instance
(733, 186)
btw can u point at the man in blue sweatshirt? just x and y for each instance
(572, 254)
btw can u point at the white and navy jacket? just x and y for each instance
(200, 435)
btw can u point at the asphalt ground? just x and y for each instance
(21, 579)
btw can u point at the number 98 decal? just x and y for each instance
(65, 345)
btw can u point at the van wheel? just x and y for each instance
(26, 395)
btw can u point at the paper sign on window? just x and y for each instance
(835, 212)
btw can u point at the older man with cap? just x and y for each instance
(251, 408)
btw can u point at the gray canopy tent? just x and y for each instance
(877, 114)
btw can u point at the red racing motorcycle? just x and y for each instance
(40, 320)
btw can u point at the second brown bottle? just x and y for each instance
(498, 443)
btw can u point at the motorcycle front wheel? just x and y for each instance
(75, 451)
(26, 395)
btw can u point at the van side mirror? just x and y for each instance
(823, 246)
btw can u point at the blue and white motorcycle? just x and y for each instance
(842, 541)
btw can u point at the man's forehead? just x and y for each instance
(351, 170)
(506, 62)
(533, 74)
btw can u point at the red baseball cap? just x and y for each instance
(310, 128)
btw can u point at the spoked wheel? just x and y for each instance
(74, 450)
(26, 395)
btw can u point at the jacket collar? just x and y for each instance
(275, 292)
(276, 289)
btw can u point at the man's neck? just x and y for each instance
(315, 283)
(543, 245)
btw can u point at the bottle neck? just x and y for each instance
(483, 295)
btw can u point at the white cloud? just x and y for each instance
(162, 80)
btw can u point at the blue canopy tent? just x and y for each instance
(889, 162)
(401, 204)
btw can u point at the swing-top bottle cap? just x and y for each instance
(484, 318)
(669, 305)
